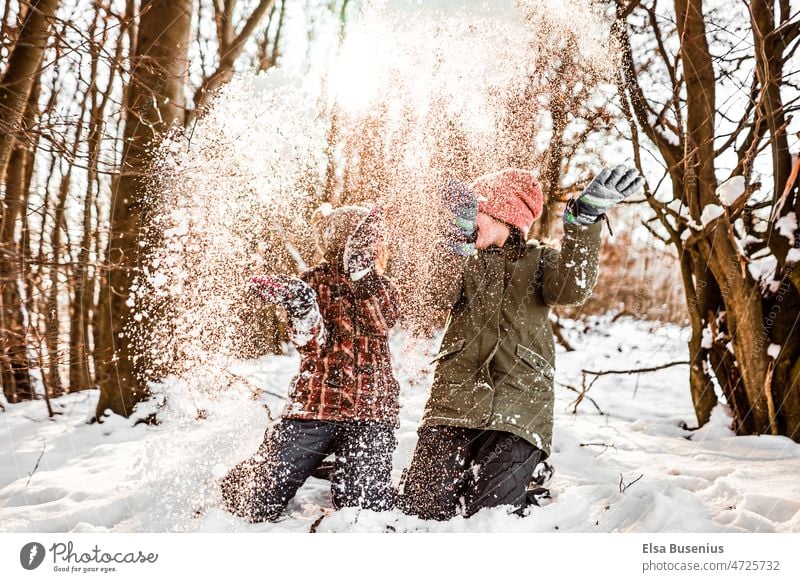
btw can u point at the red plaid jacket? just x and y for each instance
(349, 376)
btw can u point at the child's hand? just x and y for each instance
(604, 192)
(300, 302)
(291, 293)
(462, 203)
(361, 248)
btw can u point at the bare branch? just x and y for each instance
(36, 466)
(624, 486)
(637, 370)
(228, 59)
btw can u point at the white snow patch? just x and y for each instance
(787, 226)
(123, 478)
(729, 191)
(773, 351)
(708, 338)
(763, 267)
(158, 280)
(180, 230)
(711, 212)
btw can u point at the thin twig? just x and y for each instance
(36, 466)
(191, 135)
(611, 446)
(582, 393)
(558, 332)
(315, 525)
(256, 390)
(623, 486)
(637, 371)
(604, 445)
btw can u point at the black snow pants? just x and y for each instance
(462, 470)
(259, 488)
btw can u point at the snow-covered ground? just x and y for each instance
(65, 475)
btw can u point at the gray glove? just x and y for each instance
(605, 191)
(462, 232)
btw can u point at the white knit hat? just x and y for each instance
(334, 225)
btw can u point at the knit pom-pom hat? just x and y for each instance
(333, 226)
(512, 196)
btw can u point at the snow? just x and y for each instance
(731, 190)
(793, 256)
(123, 478)
(234, 196)
(773, 351)
(787, 225)
(762, 267)
(708, 339)
(307, 328)
(711, 212)
(159, 279)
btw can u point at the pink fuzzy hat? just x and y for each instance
(512, 196)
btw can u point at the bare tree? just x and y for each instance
(744, 318)
(154, 102)
(231, 46)
(22, 72)
(82, 303)
(17, 110)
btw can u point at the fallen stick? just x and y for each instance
(624, 486)
(36, 466)
(637, 371)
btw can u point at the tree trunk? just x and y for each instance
(155, 101)
(725, 301)
(82, 304)
(15, 374)
(784, 314)
(769, 48)
(22, 72)
(783, 306)
(56, 386)
(700, 384)
(716, 249)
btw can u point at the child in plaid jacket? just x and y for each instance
(344, 400)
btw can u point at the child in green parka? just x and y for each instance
(488, 422)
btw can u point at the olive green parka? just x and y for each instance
(495, 368)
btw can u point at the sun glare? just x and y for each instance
(355, 75)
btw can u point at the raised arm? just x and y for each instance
(456, 245)
(377, 304)
(569, 275)
(306, 327)
(447, 279)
